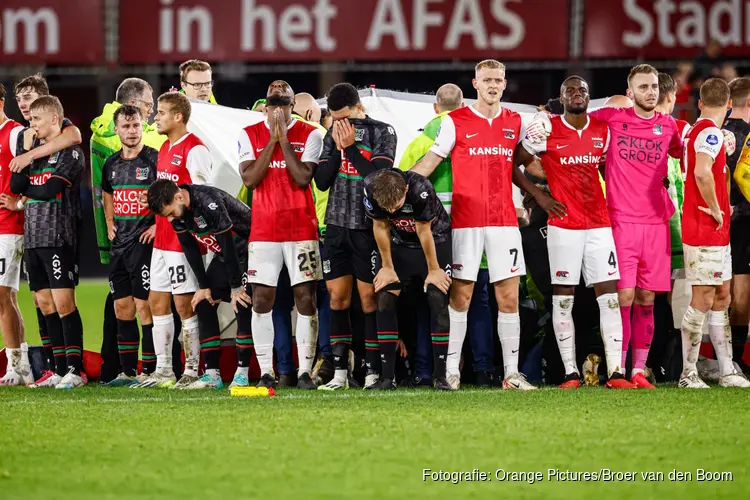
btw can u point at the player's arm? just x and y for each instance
(69, 167)
(383, 239)
(70, 136)
(108, 202)
(444, 143)
(301, 169)
(383, 150)
(707, 146)
(221, 223)
(252, 168)
(329, 163)
(742, 170)
(192, 253)
(19, 181)
(199, 165)
(530, 161)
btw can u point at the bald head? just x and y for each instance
(306, 106)
(618, 101)
(448, 98)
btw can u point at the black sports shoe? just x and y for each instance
(385, 384)
(441, 384)
(287, 380)
(305, 382)
(353, 384)
(267, 381)
(326, 371)
(485, 379)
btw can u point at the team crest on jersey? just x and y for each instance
(176, 160)
(367, 203)
(141, 173)
(598, 144)
(359, 134)
(509, 133)
(298, 147)
(200, 222)
(657, 129)
(53, 158)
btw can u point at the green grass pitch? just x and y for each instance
(102, 443)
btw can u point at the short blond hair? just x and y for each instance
(48, 103)
(489, 64)
(192, 65)
(642, 69)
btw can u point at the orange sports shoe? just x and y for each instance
(641, 381)
(618, 381)
(572, 381)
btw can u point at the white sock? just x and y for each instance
(242, 370)
(163, 333)
(307, 338)
(509, 331)
(692, 333)
(14, 358)
(340, 376)
(192, 345)
(213, 373)
(25, 354)
(721, 338)
(263, 339)
(610, 320)
(565, 331)
(455, 341)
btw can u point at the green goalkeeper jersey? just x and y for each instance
(676, 192)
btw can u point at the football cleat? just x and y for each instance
(572, 381)
(385, 384)
(158, 379)
(48, 379)
(441, 384)
(267, 381)
(736, 379)
(325, 372)
(485, 379)
(454, 381)
(692, 381)
(239, 380)
(517, 381)
(371, 379)
(287, 380)
(641, 382)
(206, 382)
(11, 379)
(618, 381)
(304, 381)
(122, 380)
(71, 381)
(185, 381)
(335, 385)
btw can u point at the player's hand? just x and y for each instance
(18, 163)
(111, 230)
(148, 235)
(730, 142)
(385, 277)
(553, 207)
(336, 134)
(280, 124)
(143, 200)
(9, 202)
(28, 139)
(200, 296)
(438, 278)
(538, 130)
(240, 296)
(717, 214)
(401, 349)
(347, 133)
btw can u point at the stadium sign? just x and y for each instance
(340, 30)
(52, 31)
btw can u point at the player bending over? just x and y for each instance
(705, 235)
(126, 175)
(278, 157)
(183, 159)
(413, 234)
(582, 240)
(222, 223)
(52, 220)
(480, 140)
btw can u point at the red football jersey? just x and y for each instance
(699, 228)
(172, 164)
(10, 222)
(571, 160)
(282, 211)
(481, 151)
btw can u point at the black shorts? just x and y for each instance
(739, 233)
(411, 264)
(218, 279)
(536, 254)
(130, 274)
(349, 252)
(51, 268)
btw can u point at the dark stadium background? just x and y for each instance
(86, 47)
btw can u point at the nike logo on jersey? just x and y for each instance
(469, 136)
(612, 273)
(560, 147)
(514, 269)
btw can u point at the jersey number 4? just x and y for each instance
(612, 262)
